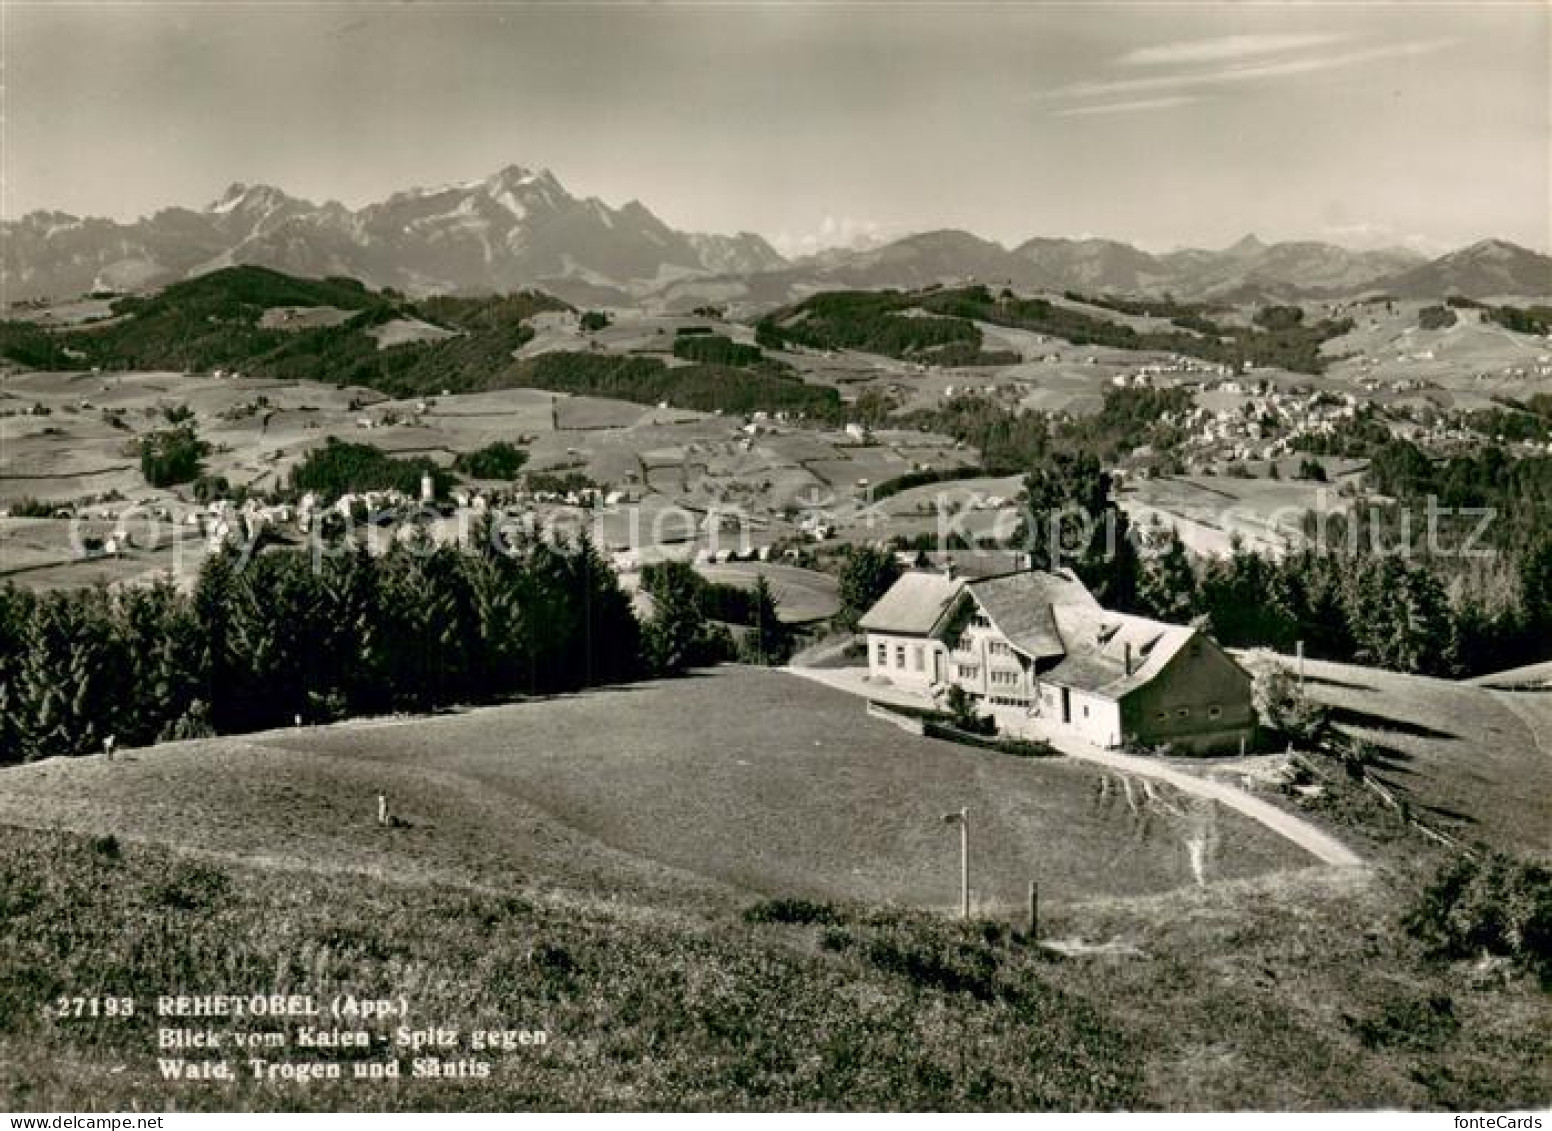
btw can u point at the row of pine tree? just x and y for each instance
(283, 636)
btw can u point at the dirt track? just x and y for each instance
(1322, 846)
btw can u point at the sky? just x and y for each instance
(814, 124)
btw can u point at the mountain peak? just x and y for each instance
(518, 176)
(240, 196)
(1491, 247)
(1248, 244)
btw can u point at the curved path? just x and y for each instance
(1319, 844)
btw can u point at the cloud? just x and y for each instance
(1367, 236)
(1222, 49)
(1234, 73)
(833, 231)
(1136, 106)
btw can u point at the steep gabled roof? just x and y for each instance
(1021, 605)
(1046, 616)
(1054, 616)
(1097, 640)
(914, 604)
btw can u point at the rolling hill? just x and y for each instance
(703, 791)
(661, 879)
(1471, 761)
(1483, 270)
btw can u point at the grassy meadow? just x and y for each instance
(1297, 991)
(730, 891)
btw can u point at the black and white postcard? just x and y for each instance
(775, 556)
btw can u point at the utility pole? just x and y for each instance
(962, 818)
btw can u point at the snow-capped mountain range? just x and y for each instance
(522, 228)
(513, 229)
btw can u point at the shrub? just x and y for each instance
(172, 456)
(796, 911)
(952, 965)
(107, 846)
(1311, 469)
(1494, 904)
(500, 460)
(1283, 706)
(208, 488)
(1027, 748)
(33, 508)
(192, 886)
(193, 723)
(1408, 1022)
(961, 709)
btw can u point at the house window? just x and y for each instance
(969, 671)
(1085, 710)
(900, 656)
(1183, 713)
(1214, 712)
(916, 657)
(883, 655)
(1163, 716)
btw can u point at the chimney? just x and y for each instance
(1128, 657)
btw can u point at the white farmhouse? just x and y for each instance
(1040, 654)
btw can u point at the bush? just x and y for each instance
(961, 709)
(1027, 748)
(193, 723)
(33, 508)
(952, 965)
(1493, 904)
(1311, 469)
(1282, 706)
(500, 460)
(192, 886)
(796, 911)
(172, 456)
(208, 488)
